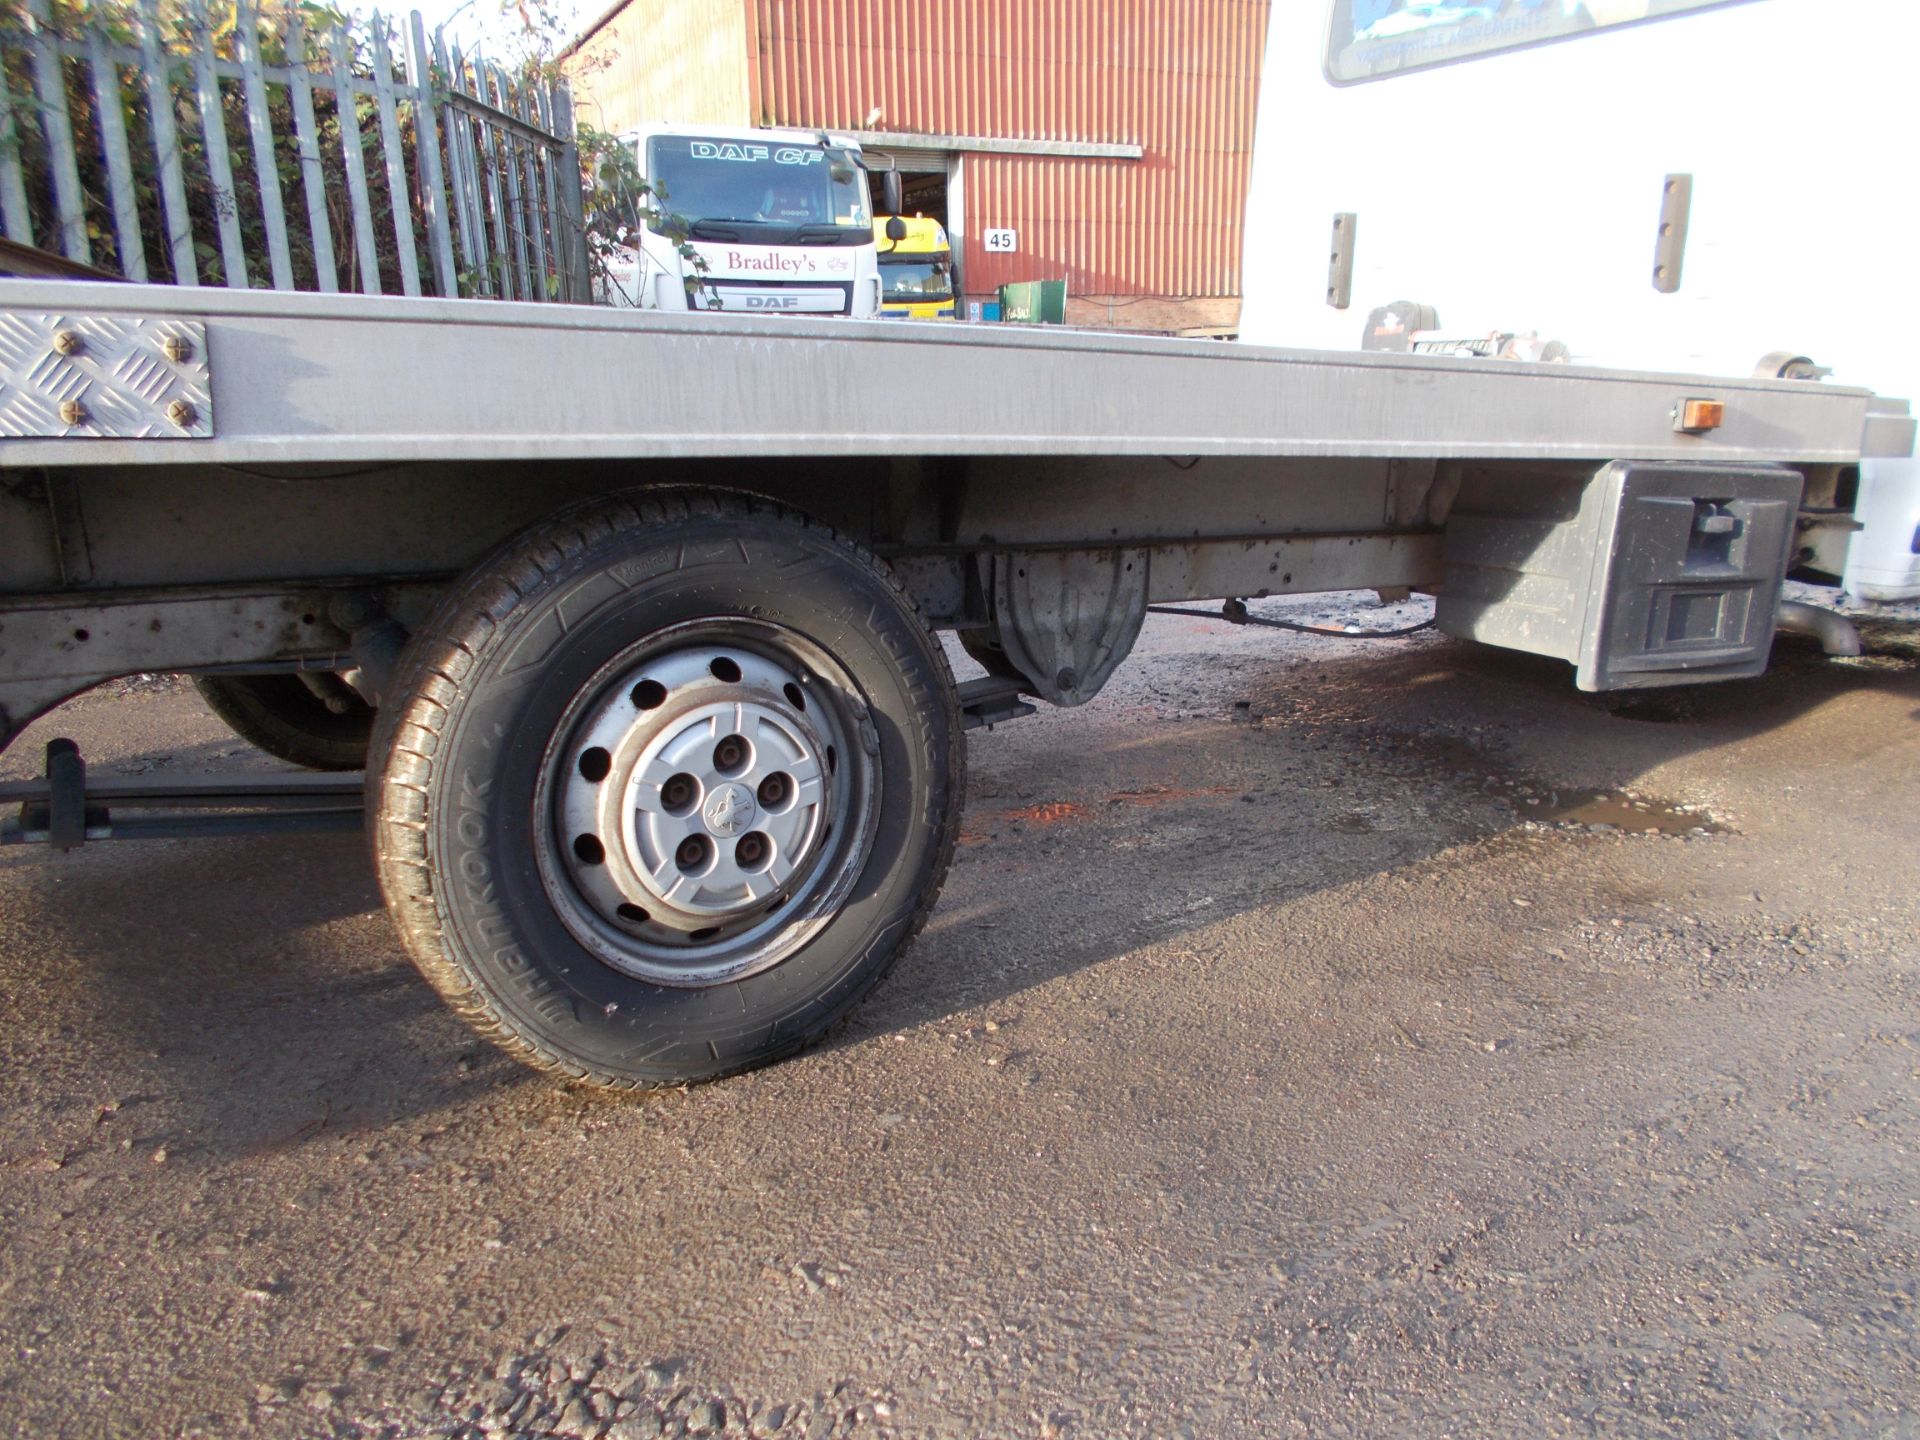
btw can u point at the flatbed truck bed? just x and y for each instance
(630, 615)
(299, 378)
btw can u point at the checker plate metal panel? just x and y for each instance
(119, 373)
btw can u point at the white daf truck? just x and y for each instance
(774, 222)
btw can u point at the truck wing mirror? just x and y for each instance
(894, 194)
(896, 229)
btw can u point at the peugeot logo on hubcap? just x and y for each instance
(729, 810)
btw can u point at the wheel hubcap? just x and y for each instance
(708, 804)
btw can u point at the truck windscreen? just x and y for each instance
(766, 192)
(911, 281)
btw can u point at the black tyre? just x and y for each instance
(665, 787)
(281, 715)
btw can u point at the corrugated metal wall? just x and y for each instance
(1179, 77)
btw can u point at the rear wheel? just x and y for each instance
(665, 788)
(284, 716)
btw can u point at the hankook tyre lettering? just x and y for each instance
(665, 786)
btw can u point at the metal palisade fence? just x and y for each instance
(198, 142)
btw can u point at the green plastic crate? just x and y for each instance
(1035, 302)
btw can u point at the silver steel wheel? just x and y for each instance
(707, 802)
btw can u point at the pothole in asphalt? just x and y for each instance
(1617, 810)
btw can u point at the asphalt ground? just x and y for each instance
(1309, 1041)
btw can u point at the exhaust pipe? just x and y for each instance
(1835, 632)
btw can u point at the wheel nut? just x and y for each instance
(692, 853)
(752, 850)
(677, 793)
(773, 790)
(730, 753)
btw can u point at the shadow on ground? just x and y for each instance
(262, 977)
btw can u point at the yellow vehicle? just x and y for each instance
(916, 272)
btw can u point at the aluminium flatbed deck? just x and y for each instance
(317, 378)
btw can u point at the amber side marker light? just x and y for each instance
(1696, 417)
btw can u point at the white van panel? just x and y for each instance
(1521, 191)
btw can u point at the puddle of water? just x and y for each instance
(1610, 807)
(1550, 804)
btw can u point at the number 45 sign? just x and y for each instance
(1001, 242)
